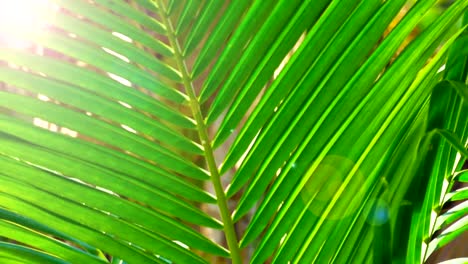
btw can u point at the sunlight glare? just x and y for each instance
(21, 19)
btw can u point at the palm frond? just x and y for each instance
(110, 121)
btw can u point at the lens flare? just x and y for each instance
(20, 20)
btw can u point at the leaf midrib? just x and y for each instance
(202, 130)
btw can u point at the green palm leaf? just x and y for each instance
(315, 124)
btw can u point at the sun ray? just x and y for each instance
(20, 20)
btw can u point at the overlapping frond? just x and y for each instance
(443, 212)
(336, 164)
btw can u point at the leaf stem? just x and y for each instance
(228, 225)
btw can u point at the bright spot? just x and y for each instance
(283, 238)
(119, 79)
(22, 19)
(43, 98)
(53, 127)
(181, 244)
(69, 132)
(41, 123)
(441, 69)
(120, 56)
(106, 191)
(125, 104)
(129, 129)
(122, 37)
